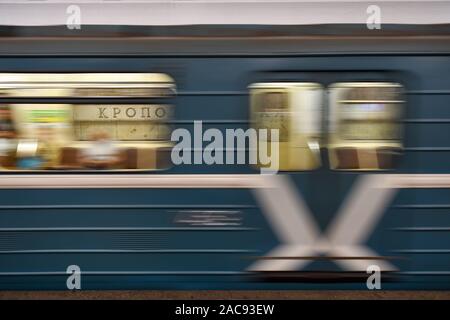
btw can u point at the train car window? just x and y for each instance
(83, 136)
(365, 125)
(294, 109)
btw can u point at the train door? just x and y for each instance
(294, 109)
(365, 125)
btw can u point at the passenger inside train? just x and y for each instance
(82, 136)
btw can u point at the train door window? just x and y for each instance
(365, 125)
(294, 109)
(80, 134)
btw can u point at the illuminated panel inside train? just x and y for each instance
(365, 125)
(294, 109)
(79, 134)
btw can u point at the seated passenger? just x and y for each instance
(7, 135)
(48, 147)
(40, 152)
(101, 154)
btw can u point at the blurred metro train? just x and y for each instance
(88, 182)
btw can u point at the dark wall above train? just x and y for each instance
(224, 40)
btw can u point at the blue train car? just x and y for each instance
(226, 226)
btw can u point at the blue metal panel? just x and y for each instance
(101, 230)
